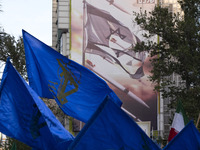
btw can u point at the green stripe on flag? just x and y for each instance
(180, 109)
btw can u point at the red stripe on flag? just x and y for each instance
(172, 134)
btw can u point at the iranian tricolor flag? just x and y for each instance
(179, 122)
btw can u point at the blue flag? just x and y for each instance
(110, 128)
(187, 139)
(76, 89)
(25, 117)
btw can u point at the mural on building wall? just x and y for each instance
(103, 34)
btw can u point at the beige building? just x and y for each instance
(61, 26)
(172, 5)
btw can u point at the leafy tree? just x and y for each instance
(9, 47)
(177, 52)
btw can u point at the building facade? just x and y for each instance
(61, 23)
(61, 26)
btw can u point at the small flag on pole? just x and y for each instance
(179, 122)
(187, 139)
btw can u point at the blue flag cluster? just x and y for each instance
(76, 89)
(110, 128)
(79, 93)
(25, 117)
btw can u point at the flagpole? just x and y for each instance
(83, 48)
(198, 121)
(83, 41)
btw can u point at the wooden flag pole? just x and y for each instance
(198, 121)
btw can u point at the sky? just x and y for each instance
(34, 16)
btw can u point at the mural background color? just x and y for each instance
(122, 10)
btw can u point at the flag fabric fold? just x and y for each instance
(77, 90)
(111, 128)
(106, 34)
(187, 139)
(104, 25)
(179, 122)
(25, 117)
(93, 49)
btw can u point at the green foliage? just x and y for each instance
(9, 47)
(177, 52)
